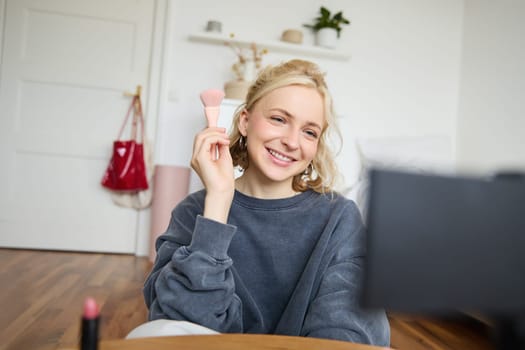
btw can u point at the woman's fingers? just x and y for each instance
(204, 140)
(211, 157)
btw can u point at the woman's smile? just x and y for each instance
(280, 158)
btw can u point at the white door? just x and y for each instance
(65, 65)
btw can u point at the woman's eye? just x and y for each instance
(277, 119)
(311, 133)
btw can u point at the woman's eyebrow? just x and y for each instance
(288, 114)
(283, 111)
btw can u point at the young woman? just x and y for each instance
(275, 250)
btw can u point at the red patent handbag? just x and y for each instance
(126, 170)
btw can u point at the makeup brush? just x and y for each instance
(211, 99)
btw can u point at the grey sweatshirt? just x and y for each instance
(288, 266)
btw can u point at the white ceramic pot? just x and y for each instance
(326, 37)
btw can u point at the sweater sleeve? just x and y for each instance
(191, 279)
(335, 311)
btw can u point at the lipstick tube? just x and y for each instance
(90, 323)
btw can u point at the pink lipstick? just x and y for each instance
(90, 320)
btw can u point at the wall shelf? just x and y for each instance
(272, 46)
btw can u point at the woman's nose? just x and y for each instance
(291, 139)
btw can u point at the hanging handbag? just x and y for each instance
(126, 170)
(138, 199)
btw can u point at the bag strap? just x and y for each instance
(138, 117)
(136, 107)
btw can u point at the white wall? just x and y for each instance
(491, 120)
(402, 78)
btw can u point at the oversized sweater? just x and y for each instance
(288, 266)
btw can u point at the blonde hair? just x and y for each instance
(322, 174)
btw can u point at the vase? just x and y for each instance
(249, 70)
(236, 89)
(326, 37)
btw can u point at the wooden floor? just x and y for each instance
(42, 295)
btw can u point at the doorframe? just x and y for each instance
(3, 4)
(156, 100)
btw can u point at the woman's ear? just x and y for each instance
(243, 122)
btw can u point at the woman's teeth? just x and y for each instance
(279, 156)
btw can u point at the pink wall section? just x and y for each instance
(170, 186)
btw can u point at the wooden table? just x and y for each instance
(232, 342)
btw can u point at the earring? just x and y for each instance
(242, 142)
(308, 171)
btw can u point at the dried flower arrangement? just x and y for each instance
(249, 62)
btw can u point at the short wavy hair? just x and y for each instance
(324, 175)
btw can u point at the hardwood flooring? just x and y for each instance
(42, 295)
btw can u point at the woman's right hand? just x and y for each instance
(212, 161)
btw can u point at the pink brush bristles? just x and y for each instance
(211, 99)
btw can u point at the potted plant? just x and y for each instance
(327, 27)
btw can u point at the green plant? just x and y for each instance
(325, 20)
